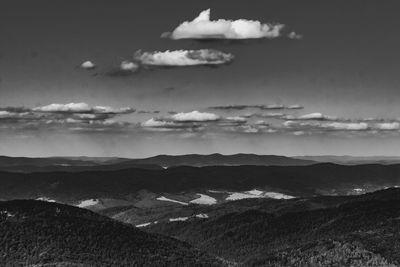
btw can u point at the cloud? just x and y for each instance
(148, 112)
(82, 108)
(324, 126)
(4, 113)
(388, 126)
(88, 65)
(126, 68)
(195, 116)
(295, 36)
(298, 133)
(261, 107)
(155, 123)
(348, 126)
(312, 116)
(236, 119)
(167, 125)
(270, 115)
(295, 107)
(64, 117)
(232, 107)
(183, 58)
(203, 27)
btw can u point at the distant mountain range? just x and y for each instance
(77, 164)
(317, 179)
(196, 160)
(353, 160)
(74, 164)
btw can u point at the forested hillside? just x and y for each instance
(36, 232)
(359, 232)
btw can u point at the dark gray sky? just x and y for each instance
(346, 66)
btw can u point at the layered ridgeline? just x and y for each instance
(189, 182)
(36, 233)
(322, 231)
(74, 164)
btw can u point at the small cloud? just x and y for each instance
(82, 108)
(128, 66)
(295, 36)
(70, 107)
(347, 126)
(155, 123)
(167, 125)
(261, 107)
(312, 116)
(250, 129)
(270, 115)
(273, 106)
(148, 112)
(183, 58)
(316, 116)
(236, 119)
(203, 27)
(232, 107)
(295, 107)
(195, 116)
(298, 133)
(88, 65)
(388, 126)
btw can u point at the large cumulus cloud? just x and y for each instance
(203, 27)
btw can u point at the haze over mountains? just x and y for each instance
(76, 164)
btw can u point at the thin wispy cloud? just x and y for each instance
(82, 108)
(261, 107)
(311, 116)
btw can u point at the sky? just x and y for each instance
(141, 78)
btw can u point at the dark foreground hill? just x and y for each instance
(293, 180)
(35, 233)
(362, 231)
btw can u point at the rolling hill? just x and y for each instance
(348, 231)
(37, 233)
